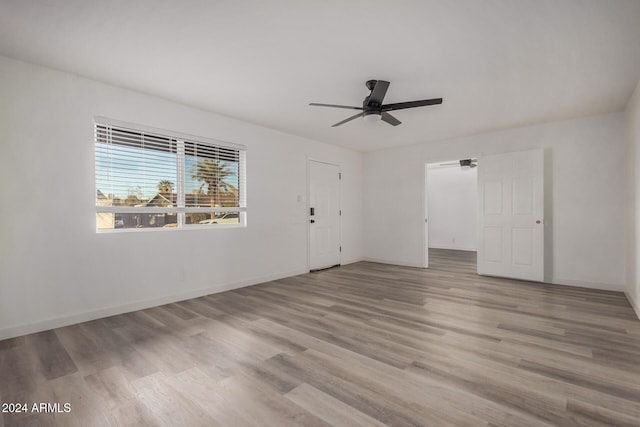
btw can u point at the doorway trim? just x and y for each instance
(425, 202)
(425, 225)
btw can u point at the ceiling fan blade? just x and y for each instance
(314, 104)
(347, 120)
(411, 104)
(378, 93)
(386, 117)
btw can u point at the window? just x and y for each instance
(153, 179)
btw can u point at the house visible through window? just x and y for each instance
(147, 179)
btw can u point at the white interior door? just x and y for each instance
(324, 215)
(510, 215)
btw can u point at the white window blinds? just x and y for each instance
(147, 179)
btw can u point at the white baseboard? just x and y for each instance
(454, 248)
(350, 261)
(393, 262)
(61, 321)
(620, 287)
(634, 304)
(553, 280)
(85, 316)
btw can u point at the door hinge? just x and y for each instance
(339, 175)
(340, 248)
(340, 212)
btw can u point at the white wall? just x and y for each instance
(452, 206)
(633, 199)
(55, 269)
(584, 181)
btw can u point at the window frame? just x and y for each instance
(181, 139)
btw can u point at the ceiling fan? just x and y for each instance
(374, 110)
(464, 163)
(470, 163)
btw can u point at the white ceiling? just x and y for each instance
(497, 63)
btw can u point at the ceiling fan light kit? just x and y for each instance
(373, 110)
(372, 117)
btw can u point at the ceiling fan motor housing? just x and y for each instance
(371, 107)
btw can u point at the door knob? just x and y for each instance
(538, 221)
(313, 221)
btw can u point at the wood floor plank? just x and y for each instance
(202, 391)
(265, 408)
(579, 413)
(362, 344)
(169, 406)
(133, 414)
(331, 410)
(112, 386)
(388, 409)
(19, 371)
(54, 359)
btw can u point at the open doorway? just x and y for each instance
(451, 207)
(508, 208)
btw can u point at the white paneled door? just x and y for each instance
(510, 215)
(324, 215)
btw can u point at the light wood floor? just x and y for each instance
(361, 345)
